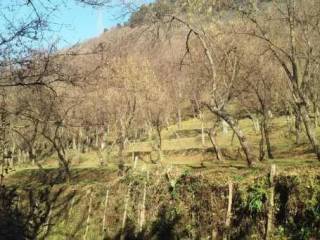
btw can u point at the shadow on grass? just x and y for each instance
(29, 212)
(164, 227)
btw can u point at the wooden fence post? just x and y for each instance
(269, 226)
(135, 161)
(89, 215)
(229, 211)
(125, 213)
(104, 229)
(143, 206)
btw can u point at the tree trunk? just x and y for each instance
(212, 136)
(65, 166)
(310, 130)
(261, 143)
(266, 130)
(31, 156)
(238, 132)
(297, 125)
(62, 160)
(265, 137)
(243, 142)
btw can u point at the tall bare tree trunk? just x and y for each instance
(244, 144)
(238, 132)
(212, 136)
(261, 144)
(265, 136)
(297, 125)
(268, 142)
(63, 162)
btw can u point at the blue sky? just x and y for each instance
(70, 23)
(76, 23)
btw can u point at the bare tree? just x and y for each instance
(224, 71)
(294, 48)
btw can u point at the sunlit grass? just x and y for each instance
(186, 152)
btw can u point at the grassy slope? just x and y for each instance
(184, 151)
(69, 203)
(183, 154)
(182, 147)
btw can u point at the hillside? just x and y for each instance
(163, 203)
(177, 200)
(193, 120)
